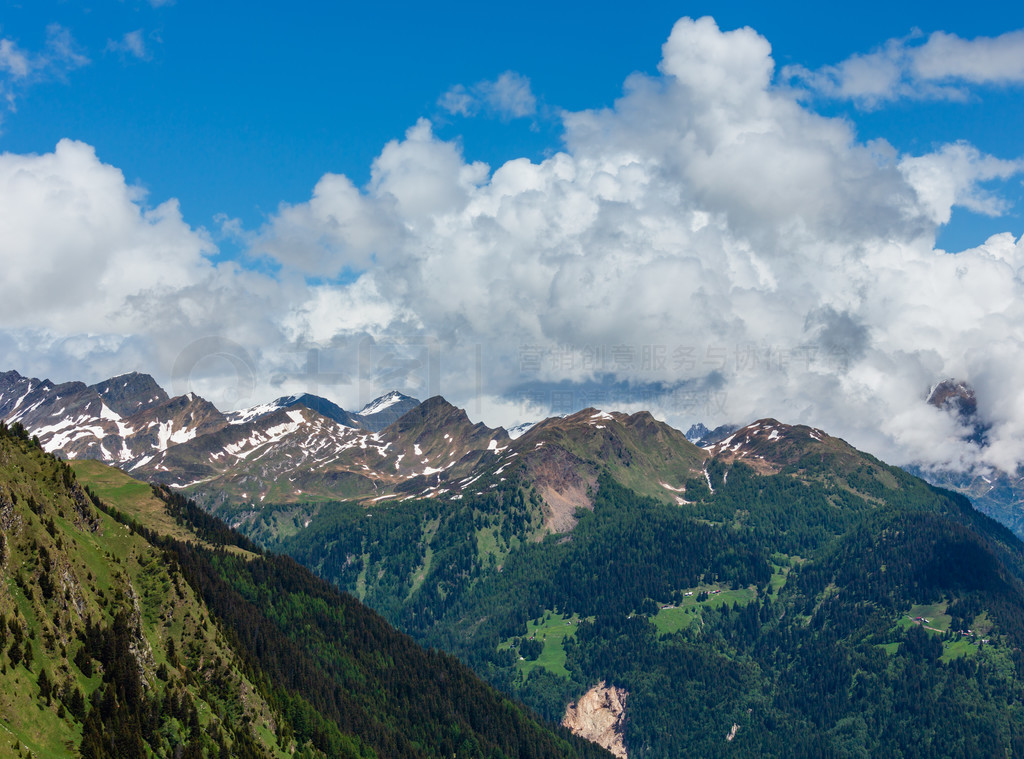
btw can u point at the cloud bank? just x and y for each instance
(709, 247)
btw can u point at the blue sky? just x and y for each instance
(718, 218)
(234, 107)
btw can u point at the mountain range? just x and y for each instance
(125, 419)
(305, 448)
(775, 592)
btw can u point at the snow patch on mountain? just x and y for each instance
(249, 414)
(384, 402)
(518, 430)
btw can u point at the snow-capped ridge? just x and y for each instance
(518, 430)
(384, 402)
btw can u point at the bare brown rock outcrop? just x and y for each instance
(600, 716)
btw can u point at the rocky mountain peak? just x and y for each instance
(768, 445)
(384, 411)
(385, 401)
(697, 432)
(958, 398)
(438, 405)
(321, 406)
(434, 412)
(131, 393)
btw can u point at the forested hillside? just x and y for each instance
(105, 648)
(134, 624)
(831, 606)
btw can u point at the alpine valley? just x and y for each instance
(774, 593)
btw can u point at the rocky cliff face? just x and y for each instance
(600, 716)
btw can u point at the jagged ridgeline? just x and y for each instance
(136, 625)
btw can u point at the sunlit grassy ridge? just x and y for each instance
(69, 567)
(140, 626)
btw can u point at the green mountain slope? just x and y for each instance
(561, 459)
(793, 597)
(106, 648)
(137, 625)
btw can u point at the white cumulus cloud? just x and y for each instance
(937, 68)
(953, 176)
(509, 97)
(708, 235)
(95, 278)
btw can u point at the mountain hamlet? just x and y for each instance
(183, 582)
